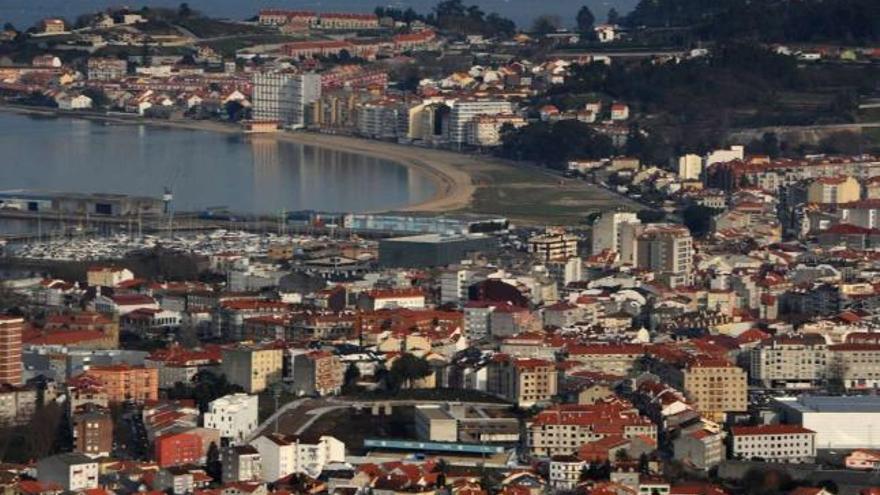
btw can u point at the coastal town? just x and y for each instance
(612, 292)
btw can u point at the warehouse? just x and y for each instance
(839, 422)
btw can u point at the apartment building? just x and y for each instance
(410, 298)
(609, 359)
(284, 455)
(607, 230)
(834, 190)
(385, 119)
(124, 383)
(463, 112)
(562, 430)
(106, 69)
(565, 471)
(93, 432)
(313, 372)
(790, 361)
(11, 328)
(72, 471)
(553, 245)
(241, 463)
(525, 382)
(254, 368)
(774, 443)
(234, 415)
(487, 129)
(702, 449)
(283, 96)
(716, 387)
(668, 251)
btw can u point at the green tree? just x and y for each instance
(546, 24)
(184, 11)
(585, 20)
(407, 369)
(698, 219)
(613, 16)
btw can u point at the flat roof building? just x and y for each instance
(432, 249)
(839, 422)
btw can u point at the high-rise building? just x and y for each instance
(283, 96)
(666, 250)
(10, 349)
(607, 230)
(690, 167)
(462, 114)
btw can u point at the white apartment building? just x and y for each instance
(241, 463)
(796, 361)
(283, 96)
(774, 443)
(72, 471)
(607, 230)
(690, 167)
(724, 156)
(235, 416)
(282, 455)
(382, 120)
(463, 113)
(454, 285)
(565, 471)
(487, 128)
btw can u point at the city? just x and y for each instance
(395, 251)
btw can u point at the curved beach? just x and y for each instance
(455, 186)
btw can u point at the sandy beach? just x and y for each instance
(466, 183)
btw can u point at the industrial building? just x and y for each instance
(426, 224)
(432, 249)
(81, 204)
(839, 422)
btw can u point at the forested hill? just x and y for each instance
(808, 21)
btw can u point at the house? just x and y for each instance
(285, 455)
(73, 102)
(72, 471)
(619, 111)
(606, 33)
(863, 459)
(108, 276)
(52, 26)
(234, 415)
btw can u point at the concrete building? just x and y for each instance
(435, 424)
(839, 422)
(463, 112)
(565, 471)
(716, 387)
(254, 368)
(241, 463)
(607, 230)
(74, 472)
(284, 455)
(525, 382)
(235, 416)
(667, 250)
(376, 299)
(429, 250)
(93, 432)
(454, 283)
(701, 449)
(313, 372)
(106, 69)
(723, 156)
(283, 97)
(487, 128)
(774, 443)
(834, 190)
(690, 167)
(11, 328)
(797, 361)
(17, 404)
(127, 383)
(553, 245)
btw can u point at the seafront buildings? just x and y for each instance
(717, 327)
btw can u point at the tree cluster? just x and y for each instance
(456, 17)
(554, 144)
(844, 21)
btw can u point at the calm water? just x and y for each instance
(205, 169)
(27, 12)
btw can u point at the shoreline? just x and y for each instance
(455, 188)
